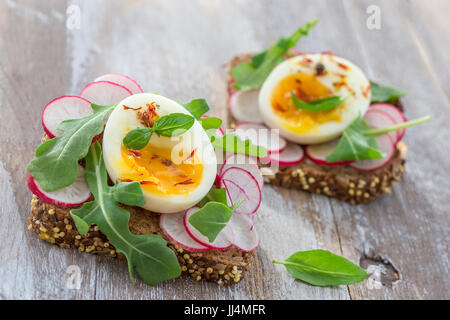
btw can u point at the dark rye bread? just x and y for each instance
(342, 182)
(55, 225)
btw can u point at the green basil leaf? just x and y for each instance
(323, 268)
(251, 75)
(384, 93)
(173, 124)
(129, 193)
(197, 107)
(319, 104)
(211, 219)
(232, 143)
(355, 144)
(138, 138)
(55, 164)
(211, 123)
(148, 254)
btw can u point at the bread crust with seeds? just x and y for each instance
(341, 182)
(55, 225)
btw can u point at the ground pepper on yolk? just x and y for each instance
(306, 88)
(154, 169)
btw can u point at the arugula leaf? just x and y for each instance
(355, 145)
(138, 138)
(173, 124)
(384, 93)
(55, 163)
(148, 254)
(232, 143)
(323, 268)
(197, 107)
(251, 75)
(358, 140)
(129, 193)
(319, 104)
(211, 219)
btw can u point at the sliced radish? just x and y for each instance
(220, 243)
(244, 106)
(105, 93)
(220, 132)
(172, 224)
(239, 232)
(241, 185)
(261, 135)
(293, 154)
(319, 152)
(394, 112)
(245, 162)
(122, 80)
(71, 196)
(378, 119)
(385, 145)
(63, 108)
(245, 237)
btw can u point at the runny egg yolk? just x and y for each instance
(157, 173)
(306, 88)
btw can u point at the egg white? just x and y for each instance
(122, 121)
(355, 104)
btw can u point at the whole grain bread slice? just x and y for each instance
(342, 182)
(55, 225)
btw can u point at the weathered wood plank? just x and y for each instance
(32, 70)
(179, 49)
(409, 227)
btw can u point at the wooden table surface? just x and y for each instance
(178, 48)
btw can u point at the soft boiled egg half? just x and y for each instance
(174, 172)
(311, 77)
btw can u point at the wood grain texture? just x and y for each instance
(179, 49)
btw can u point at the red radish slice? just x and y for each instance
(244, 106)
(105, 93)
(245, 237)
(63, 108)
(385, 145)
(245, 162)
(379, 119)
(261, 135)
(239, 232)
(394, 112)
(122, 80)
(293, 154)
(220, 243)
(71, 196)
(241, 185)
(319, 152)
(293, 51)
(172, 224)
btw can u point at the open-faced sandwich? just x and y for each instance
(134, 175)
(322, 106)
